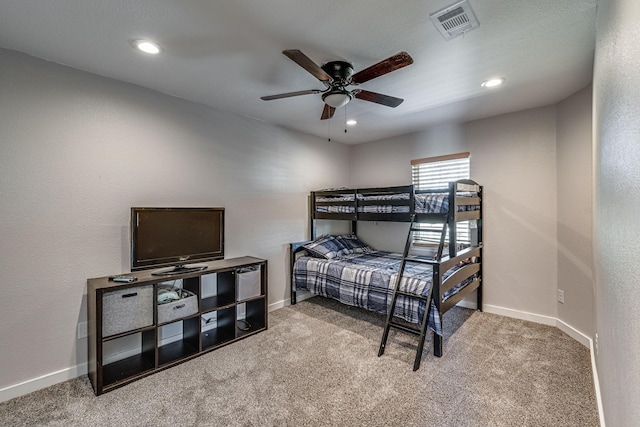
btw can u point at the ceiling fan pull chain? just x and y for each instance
(345, 119)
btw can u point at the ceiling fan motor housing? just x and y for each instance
(340, 72)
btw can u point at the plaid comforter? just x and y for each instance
(437, 203)
(336, 209)
(383, 209)
(367, 281)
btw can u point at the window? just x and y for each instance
(434, 173)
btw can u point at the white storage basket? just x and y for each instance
(248, 283)
(185, 306)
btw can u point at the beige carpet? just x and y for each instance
(317, 365)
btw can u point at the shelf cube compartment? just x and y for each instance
(249, 283)
(128, 357)
(184, 307)
(218, 290)
(218, 327)
(127, 309)
(178, 340)
(251, 317)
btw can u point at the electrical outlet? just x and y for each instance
(82, 330)
(560, 296)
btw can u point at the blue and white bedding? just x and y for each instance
(340, 208)
(431, 203)
(336, 198)
(383, 209)
(349, 209)
(366, 280)
(394, 196)
(437, 203)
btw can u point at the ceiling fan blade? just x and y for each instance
(327, 112)
(303, 60)
(393, 63)
(290, 94)
(378, 98)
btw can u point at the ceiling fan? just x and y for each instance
(338, 75)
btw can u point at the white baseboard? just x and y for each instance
(53, 378)
(47, 380)
(573, 333)
(539, 318)
(277, 305)
(300, 296)
(517, 314)
(35, 384)
(596, 383)
(567, 329)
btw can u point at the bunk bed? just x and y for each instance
(344, 268)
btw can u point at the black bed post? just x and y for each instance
(292, 250)
(436, 297)
(451, 221)
(437, 345)
(292, 260)
(312, 216)
(479, 290)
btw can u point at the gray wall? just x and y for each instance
(514, 157)
(77, 151)
(616, 228)
(575, 176)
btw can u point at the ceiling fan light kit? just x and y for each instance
(338, 75)
(337, 98)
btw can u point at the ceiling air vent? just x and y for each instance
(455, 20)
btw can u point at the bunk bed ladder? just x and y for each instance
(390, 323)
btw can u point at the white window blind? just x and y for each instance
(436, 173)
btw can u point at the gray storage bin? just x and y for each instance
(127, 310)
(248, 283)
(185, 306)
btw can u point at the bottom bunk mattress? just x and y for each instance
(366, 280)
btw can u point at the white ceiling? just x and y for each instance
(227, 54)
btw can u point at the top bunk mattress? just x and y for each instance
(394, 200)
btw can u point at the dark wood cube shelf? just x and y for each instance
(233, 306)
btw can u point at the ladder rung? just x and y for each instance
(408, 294)
(405, 328)
(423, 324)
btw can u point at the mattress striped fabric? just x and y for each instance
(367, 281)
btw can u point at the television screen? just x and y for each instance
(164, 237)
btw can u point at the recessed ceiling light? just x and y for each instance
(351, 122)
(146, 46)
(493, 82)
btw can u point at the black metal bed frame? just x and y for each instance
(441, 263)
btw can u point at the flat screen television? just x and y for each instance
(175, 237)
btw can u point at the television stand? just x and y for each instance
(132, 336)
(179, 269)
